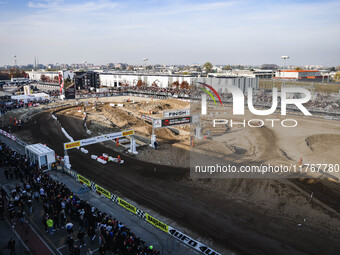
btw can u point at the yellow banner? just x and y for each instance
(127, 206)
(71, 145)
(157, 223)
(84, 180)
(103, 191)
(130, 132)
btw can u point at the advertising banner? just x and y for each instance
(127, 205)
(157, 123)
(103, 191)
(176, 121)
(97, 139)
(157, 223)
(71, 145)
(176, 113)
(84, 180)
(70, 92)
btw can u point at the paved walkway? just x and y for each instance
(12, 144)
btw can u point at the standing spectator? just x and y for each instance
(44, 222)
(69, 228)
(30, 206)
(42, 192)
(36, 196)
(81, 224)
(11, 212)
(81, 236)
(62, 218)
(70, 243)
(49, 224)
(56, 221)
(102, 249)
(91, 233)
(11, 246)
(76, 250)
(20, 216)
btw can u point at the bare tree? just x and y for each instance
(175, 85)
(184, 85)
(43, 78)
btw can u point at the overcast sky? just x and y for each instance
(170, 32)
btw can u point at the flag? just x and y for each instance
(61, 82)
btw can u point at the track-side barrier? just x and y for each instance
(13, 138)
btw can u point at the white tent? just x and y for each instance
(24, 98)
(41, 154)
(41, 96)
(30, 98)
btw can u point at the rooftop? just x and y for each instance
(39, 149)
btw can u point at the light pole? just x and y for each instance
(15, 60)
(145, 60)
(284, 58)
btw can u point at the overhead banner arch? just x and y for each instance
(97, 139)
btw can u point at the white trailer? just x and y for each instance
(40, 154)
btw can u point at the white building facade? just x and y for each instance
(165, 81)
(298, 74)
(51, 75)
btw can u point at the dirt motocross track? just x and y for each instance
(248, 216)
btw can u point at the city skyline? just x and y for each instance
(170, 32)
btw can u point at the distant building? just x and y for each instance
(19, 79)
(298, 74)
(269, 67)
(313, 67)
(120, 66)
(110, 65)
(86, 80)
(264, 73)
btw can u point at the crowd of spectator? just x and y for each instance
(6, 106)
(63, 210)
(53, 93)
(319, 102)
(171, 92)
(324, 102)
